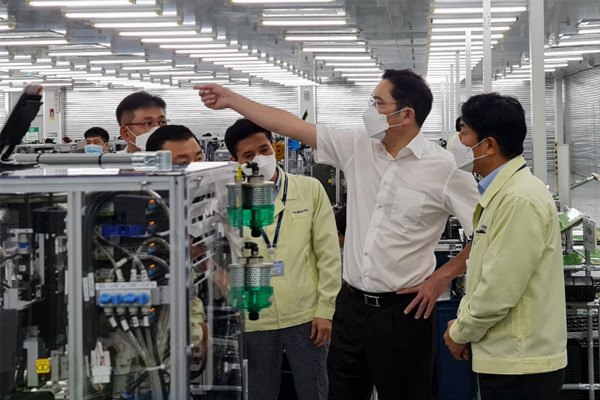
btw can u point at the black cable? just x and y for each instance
(130, 389)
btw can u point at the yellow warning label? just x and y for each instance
(42, 366)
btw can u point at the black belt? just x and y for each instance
(379, 299)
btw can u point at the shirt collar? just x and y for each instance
(485, 182)
(415, 146)
(509, 169)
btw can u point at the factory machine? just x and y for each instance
(106, 275)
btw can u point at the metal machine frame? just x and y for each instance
(183, 189)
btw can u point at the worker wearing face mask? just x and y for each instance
(401, 190)
(513, 313)
(302, 244)
(139, 115)
(96, 140)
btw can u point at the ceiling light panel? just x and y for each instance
(321, 38)
(303, 12)
(474, 21)
(281, 2)
(282, 22)
(478, 10)
(80, 3)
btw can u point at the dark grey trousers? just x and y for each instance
(264, 350)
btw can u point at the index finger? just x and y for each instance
(412, 304)
(413, 289)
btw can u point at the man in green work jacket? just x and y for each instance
(302, 242)
(513, 313)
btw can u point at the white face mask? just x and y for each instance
(376, 123)
(266, 165)
(452, 140)
(141, 140)
(463, 155)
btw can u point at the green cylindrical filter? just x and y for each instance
(234, 197)
(257, 198)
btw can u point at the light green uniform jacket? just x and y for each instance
(513, 312)
(309, 248)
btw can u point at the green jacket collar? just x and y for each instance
(503, 176)
(292, 193)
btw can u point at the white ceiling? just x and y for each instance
(396, 34)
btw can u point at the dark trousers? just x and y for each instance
(521, 387)
(382, 347)
(264, 350)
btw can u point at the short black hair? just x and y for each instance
(138, 100)
(457, 124)
(167, 133)
(497, 116)
(410, 90)
(240, 130)
(96, 131)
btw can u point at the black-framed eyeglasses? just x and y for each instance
(147, 125)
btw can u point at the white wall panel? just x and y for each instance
(582, 120)
(83, 110)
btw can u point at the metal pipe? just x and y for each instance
(155, 160)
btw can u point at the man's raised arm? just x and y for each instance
(279, 121)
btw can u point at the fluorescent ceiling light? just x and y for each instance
(33, 42)
(153, 33)
(583, 42)
(366, 80)
(358, 69)
(179, 40)
(116, 14)
(349, 64)
(33, 68)
(173, 72)
(558, 53)
(588, 31)
(563, 59)
(465, 21)
(443, 51)
(133, 25)
(232, 56)
(303, 22)
(200, 52)
(238, 65)
(82, 53)
(456, 48)
(80, 3)
(474, 45)
(343, 58)
(225, 59)
(303, 12)
(19, 64)
(279, 1)
(322, 31)
(437, 29)
(478, 10)
(462, 37)
(320, 38)
(194, 46)
(359, 75)
(116, 61)
(335, 49)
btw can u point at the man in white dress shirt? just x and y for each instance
(401, 190)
